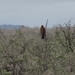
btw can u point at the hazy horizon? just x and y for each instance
(34, 13)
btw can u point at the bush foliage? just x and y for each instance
(23, 52)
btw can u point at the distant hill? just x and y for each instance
(9, 26)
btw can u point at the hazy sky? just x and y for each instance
(34, 13)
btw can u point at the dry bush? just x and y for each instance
(23, 52)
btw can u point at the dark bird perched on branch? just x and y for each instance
(42, 31)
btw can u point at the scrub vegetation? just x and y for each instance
(23, 52)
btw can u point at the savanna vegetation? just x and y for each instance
(23, 52)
